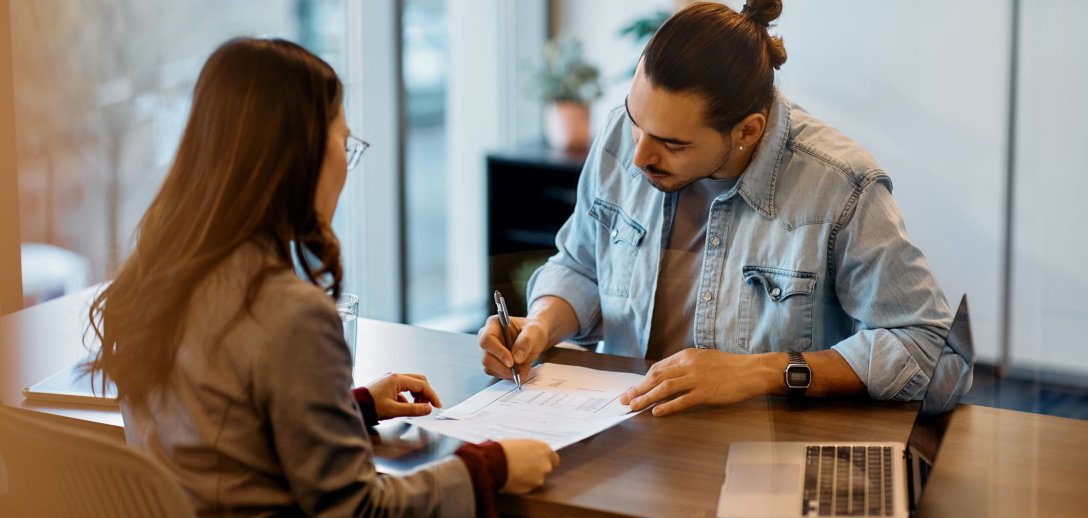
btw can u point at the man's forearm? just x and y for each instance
(557, 316)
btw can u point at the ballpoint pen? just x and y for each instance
(507, 332)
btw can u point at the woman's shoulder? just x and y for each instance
(298, 328)
(268, 287)
(283, 295)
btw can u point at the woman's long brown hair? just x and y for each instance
(246, 170)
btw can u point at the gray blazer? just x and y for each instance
(258, 417)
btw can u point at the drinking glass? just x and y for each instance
(348, 308)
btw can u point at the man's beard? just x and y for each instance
(673, 188)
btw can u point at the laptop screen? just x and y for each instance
(951, 379)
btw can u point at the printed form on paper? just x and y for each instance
(558, 404)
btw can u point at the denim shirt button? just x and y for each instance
(615, 233)
(775, 293)
(707, 296)
(715, 241)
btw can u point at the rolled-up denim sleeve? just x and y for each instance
(561, 278)
(571, 274)
(884, 282)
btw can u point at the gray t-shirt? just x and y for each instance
(672, 327)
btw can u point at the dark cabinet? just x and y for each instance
(530, 194)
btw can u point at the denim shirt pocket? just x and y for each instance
(776, 309)
(621, 236)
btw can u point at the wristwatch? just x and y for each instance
(798, 375)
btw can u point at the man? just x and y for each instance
(721, 227)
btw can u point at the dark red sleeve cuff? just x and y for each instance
(366, 405)
(486, 463)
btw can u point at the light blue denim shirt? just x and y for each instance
(807, 252)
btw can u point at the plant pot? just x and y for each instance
(566, 126)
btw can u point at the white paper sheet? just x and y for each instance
(558, 404)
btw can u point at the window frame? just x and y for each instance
(369, 219)
(11, 271)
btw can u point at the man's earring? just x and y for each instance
(740, 148)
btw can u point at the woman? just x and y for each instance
(230, 368)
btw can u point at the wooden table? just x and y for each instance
(993, 463)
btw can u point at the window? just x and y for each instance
(102, 93)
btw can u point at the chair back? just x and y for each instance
(57, 470)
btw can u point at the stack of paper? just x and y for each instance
(557, 404)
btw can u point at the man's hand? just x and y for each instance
(389, 401)
(551, 320)
(531, 340)
(699, 377)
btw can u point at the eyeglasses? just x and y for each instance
(354, 147)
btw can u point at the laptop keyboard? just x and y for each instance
(847, 481)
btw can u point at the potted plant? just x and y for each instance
(567, 84)
(642, 29)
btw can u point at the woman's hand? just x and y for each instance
(528, 463)
(389, 401)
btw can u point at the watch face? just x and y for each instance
(797, 376)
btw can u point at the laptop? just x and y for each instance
(852, 478)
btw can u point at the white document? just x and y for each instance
(558, 404)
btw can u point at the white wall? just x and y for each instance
(931, 103)
(1050, 324)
